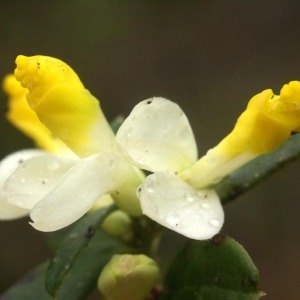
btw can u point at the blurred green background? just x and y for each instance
(208, 56)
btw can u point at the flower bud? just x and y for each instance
(118, 224)
(128, 277)
(64, 105)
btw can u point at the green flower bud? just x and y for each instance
(118, 224)
(128, 277)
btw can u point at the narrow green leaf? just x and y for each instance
(255, 171)
(79, 282)
(217, 269)
(71, 246)
(83, 276)
(31, 286)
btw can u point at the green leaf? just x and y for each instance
(31, 286)
(80, 281)
(83, 276)
(257, 170)
(71, 246)
(211, 270)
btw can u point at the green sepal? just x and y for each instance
(216, 269)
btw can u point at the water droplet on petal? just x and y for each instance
(53, 165)
(188, 197)
(141, 160)
(172, 219)
(150, 190)
(205, 205)
(214, 222)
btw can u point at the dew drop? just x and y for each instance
(73, 235)
(188, 197)
(214, 222)
(53, 165)
(141, 160)
(172, 219)
(205, 205)
(150, 190)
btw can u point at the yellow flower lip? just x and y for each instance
(25, 119)
(61, 102)
(27, 71)
(12, 87)
(286, 107)
(40, 73)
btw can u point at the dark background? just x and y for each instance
(208, 56)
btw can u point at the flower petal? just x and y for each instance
(35, 178)
(81, 187)
(7, 166)
(25, 119)
(171, 202)
(157, 136)
(11, 212)
(63, 105)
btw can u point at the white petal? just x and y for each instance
(11, 212)
(7, 166)
(157, 136)
(35, 178)
(81, 187)
(171, 202)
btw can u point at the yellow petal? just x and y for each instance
(286, 107)
(63, 105)
(25, 119)
(255, 132)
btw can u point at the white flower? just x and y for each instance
(58, 188)
(157, 137)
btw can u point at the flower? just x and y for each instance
(59, 188)
(157, 137)
(84, 161)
